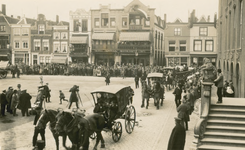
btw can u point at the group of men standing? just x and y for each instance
(15, 99)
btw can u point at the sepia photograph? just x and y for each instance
(122, 75)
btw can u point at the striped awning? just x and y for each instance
(134, 36)
(59, 60)
(79, 40)
(103, 36)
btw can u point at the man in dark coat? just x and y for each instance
(177, 138)
(9, 94)
(177, 92)
(219, 82)
(107, 79)
(24, 103)
(47, 93)
(136, 79)
(38, 130)
(74, 97)
(4, 102)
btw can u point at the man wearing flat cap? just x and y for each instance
(177, 137)
(219, 83)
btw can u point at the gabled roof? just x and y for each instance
(11, 20)
(202, 19)
(178, 20)
(30, 21)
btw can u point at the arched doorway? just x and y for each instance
(238, 84)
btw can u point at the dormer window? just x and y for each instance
(41, 29)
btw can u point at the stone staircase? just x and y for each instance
(225, 128)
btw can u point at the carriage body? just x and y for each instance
(155, 77)
(121, 95)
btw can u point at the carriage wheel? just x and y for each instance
(130, 118)
(4, 75)
(93, 136)
(117, 131)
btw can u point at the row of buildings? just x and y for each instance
(131, 35)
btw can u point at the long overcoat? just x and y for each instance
(73, 96)
(177, 138)
(25, 101)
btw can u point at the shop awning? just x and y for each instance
(134, 36)
(103, 36)
(79, 40)
(59, 60)
(203, 55)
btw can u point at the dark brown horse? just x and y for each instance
(80, 128)
(49, 116)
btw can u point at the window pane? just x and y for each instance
(198, 46)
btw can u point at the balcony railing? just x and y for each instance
(104, 47)
(135, 27)
(143, 47)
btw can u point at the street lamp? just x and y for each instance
(136, 55)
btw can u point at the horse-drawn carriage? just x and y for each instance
(156, 82)
(3, 69)
(114, 102)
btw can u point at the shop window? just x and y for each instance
(183, 60)
(124, 22)
(96, 22)
(47, 59)
(203, 31)
(182, 45)
(41, 60)
(104, 20)
(197, 45)
(84, 25)
(171, 46)
(209, 45)
(34, 59)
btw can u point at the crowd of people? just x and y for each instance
(85, 69)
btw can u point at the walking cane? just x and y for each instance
(89, 99)
(79, 98)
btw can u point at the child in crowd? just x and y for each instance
(62, 97)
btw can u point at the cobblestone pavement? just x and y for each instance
(151, 133)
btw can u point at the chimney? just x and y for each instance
(4, 9)
(208, 20)
(57, 19)
(12, 16)
(165, 20)
(18, 17)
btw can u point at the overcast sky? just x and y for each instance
(50, 8)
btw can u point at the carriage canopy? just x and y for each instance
(155, 75)
(121, 93)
